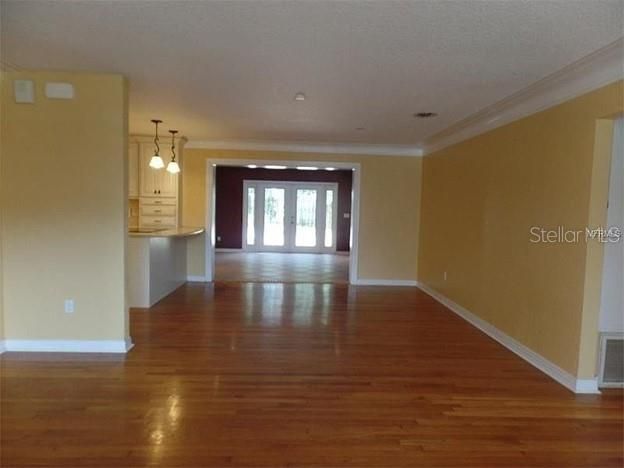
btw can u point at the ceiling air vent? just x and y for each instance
(611, 360)
(425, 115)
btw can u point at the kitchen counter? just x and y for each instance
(172, 232)
(156, 263)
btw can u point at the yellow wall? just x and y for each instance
(480, 199)
(389, 207)
(63, 201)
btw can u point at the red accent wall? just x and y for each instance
(229, 200)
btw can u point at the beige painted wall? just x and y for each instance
(389, 207)
(63, 201)
(480, 199)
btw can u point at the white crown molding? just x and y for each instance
(600, 68)
(537, 360)
(307, 147)
(69, 346)
(384, 282)
(164, 139)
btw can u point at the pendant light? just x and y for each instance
(173, 167)
(156, 162)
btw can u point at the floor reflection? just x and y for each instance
(287, 305)
(166, 420)
(283, 267)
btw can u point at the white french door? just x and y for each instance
(289, 216)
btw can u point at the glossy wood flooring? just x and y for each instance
(282, 267)
(300, 375)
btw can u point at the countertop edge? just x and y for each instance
(173, 232)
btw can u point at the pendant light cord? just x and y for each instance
(156, 139)
(173, 155)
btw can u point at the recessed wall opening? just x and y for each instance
(283, 222)
(611, 323)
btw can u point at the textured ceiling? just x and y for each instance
(230, 69)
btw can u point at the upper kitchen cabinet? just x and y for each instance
(155, 182)
(156, 189)
(133, 170)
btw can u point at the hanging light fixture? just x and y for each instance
(173, 167)
(156, 162)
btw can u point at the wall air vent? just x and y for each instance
(611, 371)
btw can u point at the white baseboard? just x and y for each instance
(547, 367)
(384, 282)
(69, 346)
(586, 386)
(228, 250)
(196, 279)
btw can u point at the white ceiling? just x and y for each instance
(221, 70)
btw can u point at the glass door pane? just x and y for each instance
(329, 218)
(274, 206)
(305, 230)
(251, 218)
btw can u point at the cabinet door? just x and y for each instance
(167, 183)
(148, 177)
(133, 170)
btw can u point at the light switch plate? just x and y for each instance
(24, 91)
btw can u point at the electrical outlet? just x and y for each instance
(445, 276)
(69, 306)
(218, 238)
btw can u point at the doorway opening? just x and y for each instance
(274, 222)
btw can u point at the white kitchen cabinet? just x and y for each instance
(156, 189)
(158, 210)
(155, 212)
(133, 170)
(168, 183)
(156, 182)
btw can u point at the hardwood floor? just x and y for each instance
(281, 267)
(300, 375)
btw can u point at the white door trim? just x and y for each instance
(211, 165)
